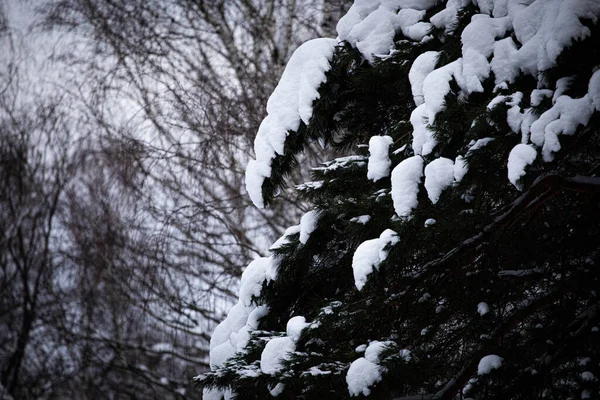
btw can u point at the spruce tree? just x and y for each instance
(452, 248)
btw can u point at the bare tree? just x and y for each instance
(125, 224)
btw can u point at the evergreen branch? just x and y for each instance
(535, 194)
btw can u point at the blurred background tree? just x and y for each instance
(126, 129)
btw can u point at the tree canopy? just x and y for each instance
(452, 248)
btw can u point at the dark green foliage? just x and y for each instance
(531, 256)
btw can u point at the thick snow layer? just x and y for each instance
(538, 95)
(222, 344)
(410, 25)
(478, 40)
(495, 101)
(252, 279)
(437, 85)
(361, 219)
(460, 168)
(290, 103)
(308, 224)
(448, 17)
(483, 308)
(294, 327)
(406, 178)
(283, 240)
(277, 390)
(423, 141)
(374, 350)
(276, 350)
(370, 26)
(520, 157)
(563, 118)
(439, 174)
(379, 159)
(594, 90)
(361, 375)
(370, 254)
(502, 64)
(489, 363)
(545, 28)
(423, 65)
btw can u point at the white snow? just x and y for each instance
(370, 26)
(439, 174)
(294, 327)
(437, 85)
(290, 103)
(489, 363)
(308, 224)
(594, 90)
(277, 390)
(406, 178)
(252, 279)
(448, 17)
(370, 254)
(502, 64)
(361, 375)
(545, 28)
(538, 95)
(379, 160)
(495, 101)
(310, 185)
(216, 394)
(361, 348)
(563, 118)
(460, 168)
(373, 351)
(483, 308)
(423, 65)
(361, 219)
(410, 25)
(583, 361)
(284, 239)
(478, 40)
(520, 157)
(587, 376)
(276, 350)
(479, 144)
(430, 222)
(423, 140)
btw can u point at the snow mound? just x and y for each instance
(489, 363)
(308, 224)
(276, 350)
(439, 174)
(295, 326)
(406, 178)
(370, 254)
(370, 26)
(375, 348)
(379, 160)
(232, 334)
(483, 308)
(423, 65)
(290, 103)
(361, 375)
(520, 157)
